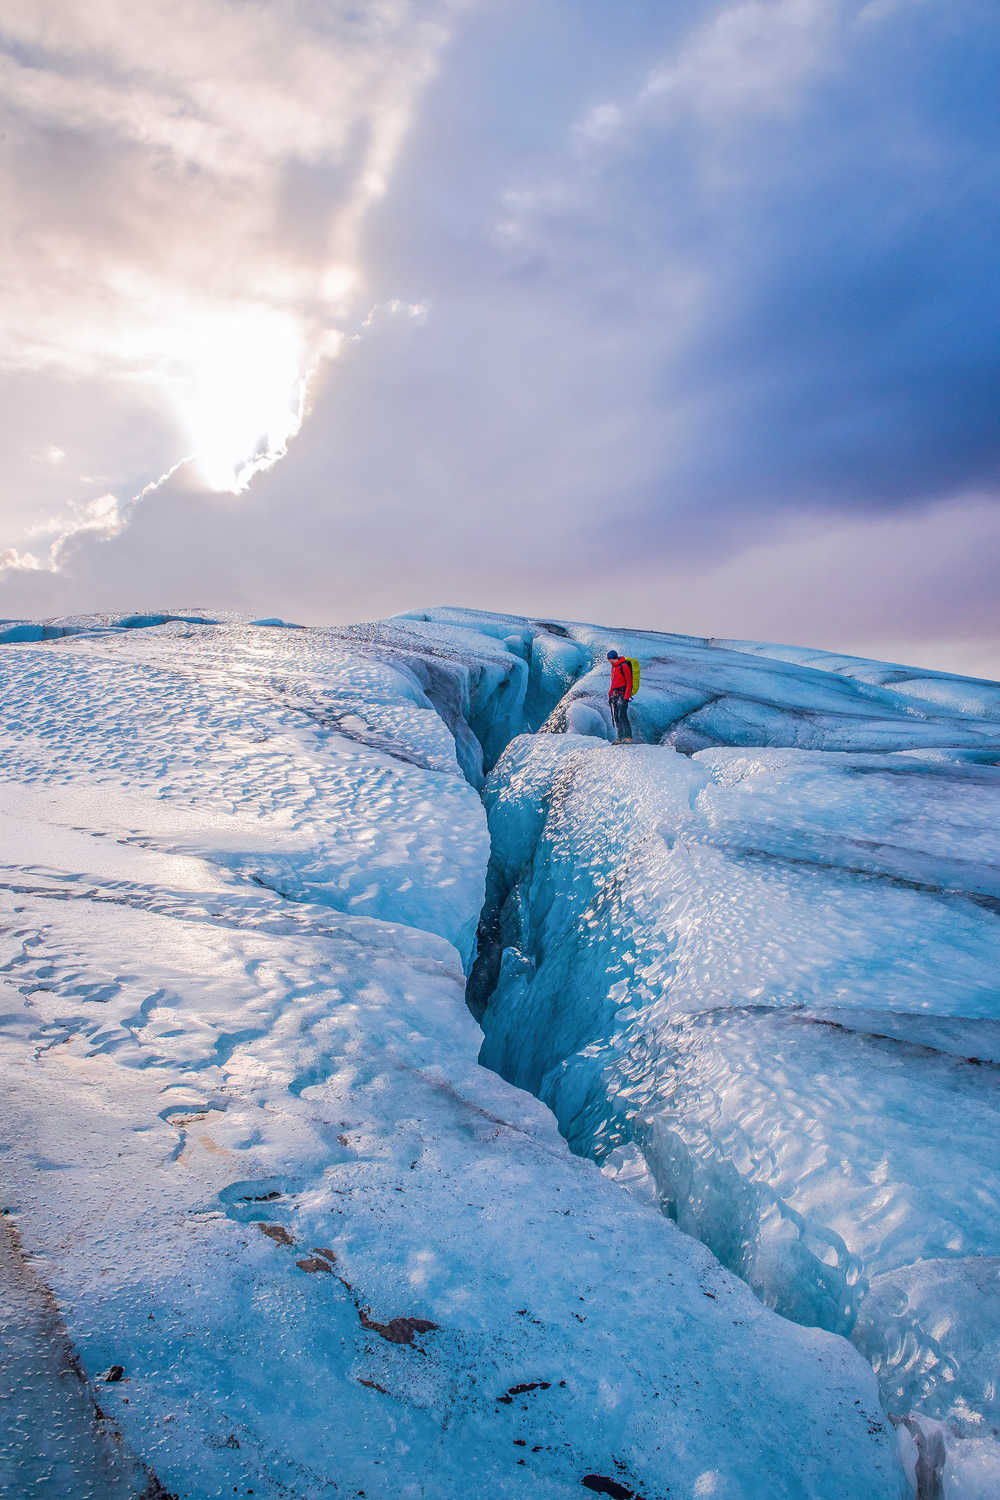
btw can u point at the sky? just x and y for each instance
(683, 316)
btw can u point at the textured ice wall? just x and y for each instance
(248, 1145)
(760, 984)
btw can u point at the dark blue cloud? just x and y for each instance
(734, 309)
(836, 351)
(852, 358)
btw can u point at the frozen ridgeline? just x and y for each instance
(251, 1154)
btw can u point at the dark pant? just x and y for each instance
(619, 712)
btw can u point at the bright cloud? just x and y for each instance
(96, 519)
(184, 191)
(750, 59)
(713, 287)
(746, 61)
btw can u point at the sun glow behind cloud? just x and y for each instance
(200, 260)
(244, 397)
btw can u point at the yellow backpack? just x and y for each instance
(635, 674)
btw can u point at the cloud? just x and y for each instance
(752, 59)
(98, 519)
(19, 562)
(184, 192)
(702, 292)
(798, 255)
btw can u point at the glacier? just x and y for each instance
(407, 1091)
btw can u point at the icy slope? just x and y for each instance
(248, 1145)
(759, 981)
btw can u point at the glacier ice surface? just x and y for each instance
(248, 1149)
(752, 966)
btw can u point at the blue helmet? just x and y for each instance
(612, 656)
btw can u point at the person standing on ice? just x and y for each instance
(619, 694)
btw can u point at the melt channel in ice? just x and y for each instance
(264, 1206)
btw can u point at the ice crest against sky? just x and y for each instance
(682, 314)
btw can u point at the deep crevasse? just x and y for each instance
(249, 1148)
(757, 983)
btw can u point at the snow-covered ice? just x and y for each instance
(251, 1156)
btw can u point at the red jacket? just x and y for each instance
(621, 678)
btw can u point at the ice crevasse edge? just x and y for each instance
(277, 823)
(758, 981)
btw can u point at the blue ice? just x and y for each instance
(752, 966)
(249, 1149)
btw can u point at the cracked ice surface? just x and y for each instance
(247, 1143)
(758, 981)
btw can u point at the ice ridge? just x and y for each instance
(751, 966)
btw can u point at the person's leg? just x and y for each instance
(619, 714)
